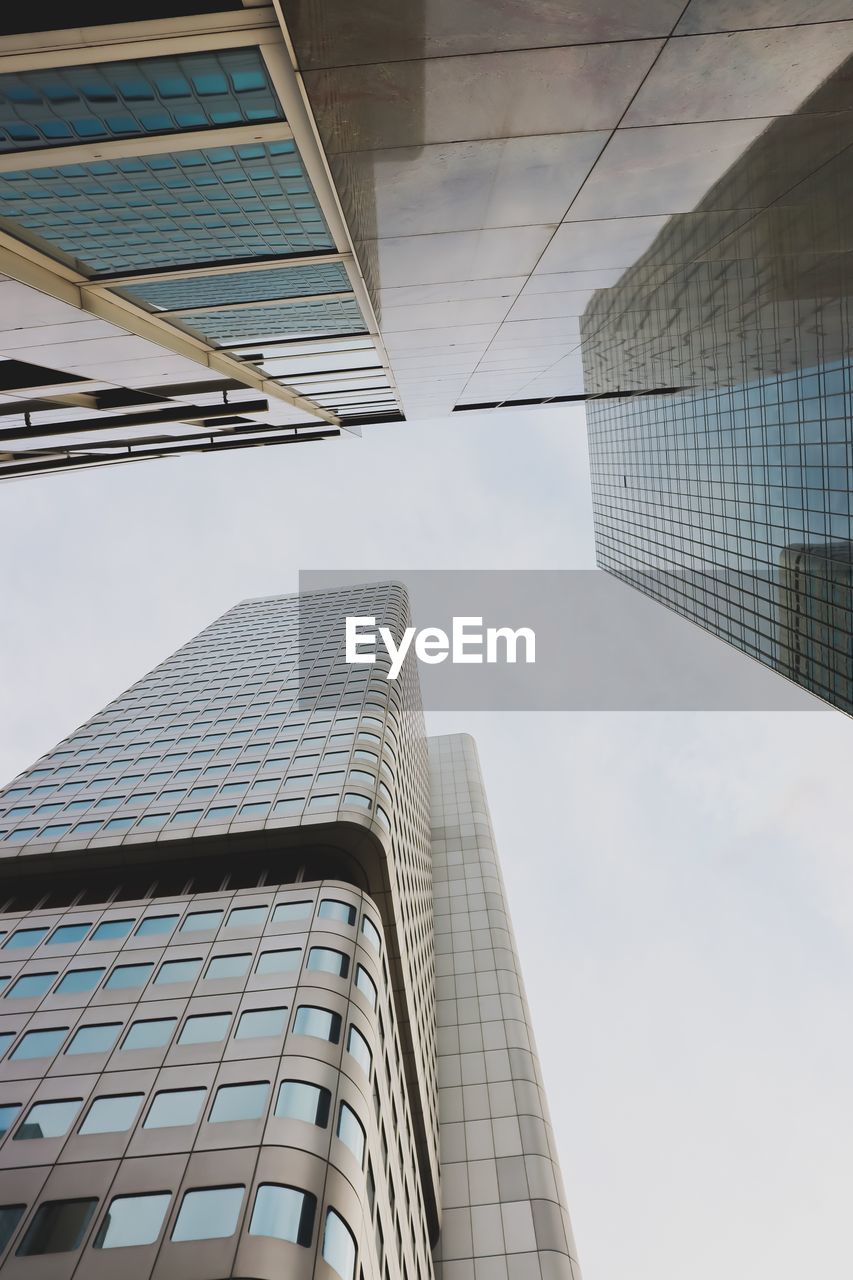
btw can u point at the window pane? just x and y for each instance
(8, 1116)
(240, 917)
(279, 961)
(205, 1028)
(174, 1107)
(261, 1022)
(49, 1119)
(239, 1102)
(228, 966)
(311, 1021)
(366, 985)
(31, 984)
(151, 1033)
(360, 1050)
(351, 1131)
(368, 928)
(133, 1220)
(178, 971)
(331, 909)
(113, 1114)
(6, 1038)
(10, 1216)
(97, 1039)
(153, 925)
(79, 980)
(284, 1213)
(110, 929)
(326, 960)
(128, 975)
(69, 933)
(211, 1214)
(26, 937)
(201, 920)
(339, 1246)
(298, 1100)
(57, 1227)
(40, 1044)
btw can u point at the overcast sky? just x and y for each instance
(681, 884)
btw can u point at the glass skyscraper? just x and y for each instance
(724, 490)
(261, 1011)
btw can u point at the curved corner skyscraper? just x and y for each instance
(261, 1011)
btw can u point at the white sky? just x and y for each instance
(681, 884)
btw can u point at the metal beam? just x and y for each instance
(145, 418)
(148, 144)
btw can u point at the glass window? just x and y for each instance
(327, 960)
(8, 1116)
(98, 1039)
(30, 985)
(69, 933)
(128, 975)
(152, 926)
(150, 1033)
(339, 1246)
(174, 1107)
(26, 938)
(239, 1102)
(10, 1216)
(255, 1023)
(205, 1028)
(58, 1227)
(6, 1038)
(360, 1049)
(111, 929)
(284, 1213)
(209, 1214)
(240, 917)
(228, 966)
(39, 1044)
(78, 980)
(178, 971)
(287, 911)
(351, 1131)
(279, 961)
(112, 1114)
(198, 920)
(133, 1220)
(298, 1100)
(49, 1119)
(368, 928)
(311, 1021)
(366, 985)
(331, 909)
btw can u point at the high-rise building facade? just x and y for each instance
(725, 491)
(261, 1011)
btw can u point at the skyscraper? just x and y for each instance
(261, 1010)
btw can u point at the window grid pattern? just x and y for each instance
(242, 286)
(296, 320)
(62, 106)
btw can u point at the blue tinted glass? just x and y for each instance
(78, 980)
(295, 320)
(178, 971)
(69, 933)
(26, 937)
(298, 1100)
(133, 1220)
(198, 920)
(331, 909)
(339, 1246)
(128, 975)
(286, 911)
(112, 1114)
(261, 1022)
(311, 1021)
(174, 1107)
(112, 929)
(8, 1116)
(98, 1039)
(40, 1044)
(153, 925)
(248, 201)
(210, 1214)
(227, 966)
(205, 1028)
(283, 1213)
(240, 917)
(239, 1102)
(279, 961)
(150, 1033)
(49, 1120)
(31, 984)
(128, 99)
(326, 960)
(245, 286)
